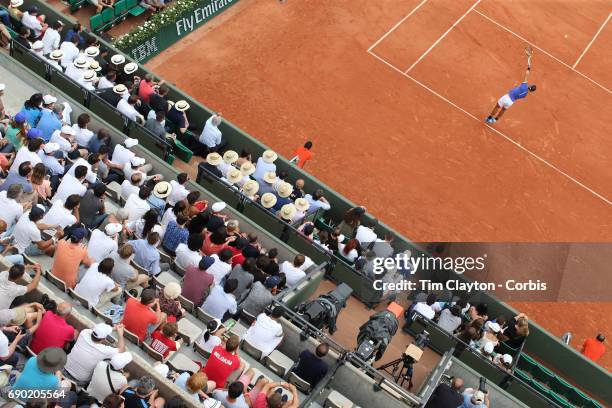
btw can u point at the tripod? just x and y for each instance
(400, 369)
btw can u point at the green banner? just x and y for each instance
(167, 27)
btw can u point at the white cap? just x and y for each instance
(488, 347)
(495, 327)
(2, 87)
(51, 147)
(129, 142)
(507, 358)
(49, 99)
(120, 360)
(478, 397)
(102, 330)
(162, 369)
(157, 228)
(37, 45)
(137, 161)
(113, 228)
(67, 130)
(218, 206)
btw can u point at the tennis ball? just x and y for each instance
(565, 35)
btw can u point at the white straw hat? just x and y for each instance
(287, 212)
(285, 190)
(250, 188)
(269, 156)
(301, 204)
(230, 157)
(234, 176)
(247, 168)
(268, 200)
(214, 159)
(270, 177)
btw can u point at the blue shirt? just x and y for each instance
(15, 178)
(146, 256)
(157, 204)
(51, 163)
(315, 204)
(33, 378)
(467, 402)
(95, 144)
(32, 115)
(519, 92)
(174, 236)
(48, 123)
(280, 202)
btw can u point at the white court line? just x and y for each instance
(589, 46)
(442, 37)
(397, 25)
(552, 166)
(544, 52)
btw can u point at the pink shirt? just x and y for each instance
(53, 331)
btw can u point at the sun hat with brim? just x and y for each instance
(285, 190)
(301, 204)
(92, 51)
(172, 290)
(130, 68)
(247, 168)
(214, 159)
(287, 212)
(117, 59)
(16, 3)
(270, 177)
(268, 200)
(230, 157)
(89, 75)
(234, 176)
(119, 89)
(250, 188)
(56, 55)
(51, 359)
(269, 156)
(21, 314)
(80, 62)
(162, 189)
(95, 65)
(181, 105)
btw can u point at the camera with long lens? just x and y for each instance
(375, 335)
(401, 369)
(323, 311)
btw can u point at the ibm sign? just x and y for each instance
(145, 50)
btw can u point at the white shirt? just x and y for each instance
(51, 40)
(68, 186)
(86, 84)
(292, 273)
(64, 144)
(128, 171)
(213, 341)
(127, 189)
(365, 235)
(100, 245)
(70, 51)
(32, 23)
(59, 215)
(128, 110)
(122, 155)
(218, 302)
(211, 135)
(94, 284)
(265, 334)
(351, 256)
(185, 257)
(9, 290)
(178, 193)
(424, 309)
(219, 269)
(104, 83)
(136, 207)
(85, 355)
(99, 387)
(82, 136)
(4, 345)
(26, 232)
(262, 168)
(90, 176)
(74, 73)
(11, 210)
(24, 155)
(54, 64)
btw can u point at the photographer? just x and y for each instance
(446, 395)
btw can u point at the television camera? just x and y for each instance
(323, 311)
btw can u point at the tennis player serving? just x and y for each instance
(514, 94)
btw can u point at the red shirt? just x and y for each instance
(162, 344)
(145, 90)
(303, 155)
(238, 259)
(137, 317)
(593, 349)
(220, 365)
(261, 401)
(52, 332)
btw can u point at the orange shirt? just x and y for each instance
(137, 317)
(303, 155)
(68, 257)
(593, 349)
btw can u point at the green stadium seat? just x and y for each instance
(541, 388)
(13, 33)
(506, 349)
(591, 403)
(520, 374)
(527, 363)
(321, 224)
(120, 8)
(134, 8)
(559, 400)
(108, 15)
(96, 22)
(182, 152)
(578, 398)
(543, 375)
(560, 386)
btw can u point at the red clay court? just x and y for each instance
(393, 94)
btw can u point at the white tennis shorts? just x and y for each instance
(505, 101)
